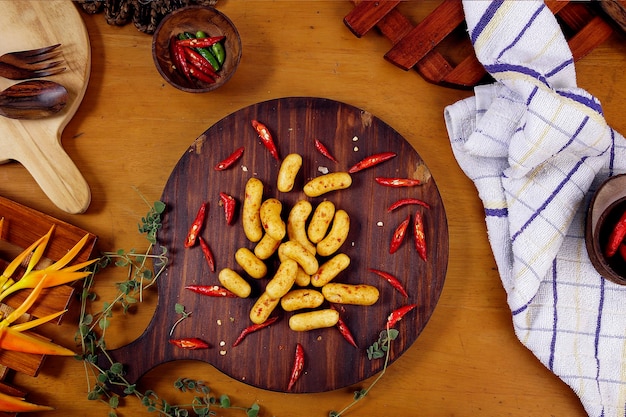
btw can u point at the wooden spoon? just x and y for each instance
(33, 99)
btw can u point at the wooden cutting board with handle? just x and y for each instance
(36, 144)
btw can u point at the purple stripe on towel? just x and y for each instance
(485, 19)
(503, 212)
(597, 338)
(587, 101)
(519, 36)
(496, 68)
(575, 135)
(555, 317)
(552, 197)
(558, 68)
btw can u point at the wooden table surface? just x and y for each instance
(132, 128)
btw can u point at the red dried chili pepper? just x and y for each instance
(266, 138)
(200, 42)
(398, 235)
(191, 343)
(407, 201)
(253, 328)
(211, 290)
(419, 235)
(395, 283)
(230, 160)
(344, 330)
(198, 74)
(210, 260)
(370, 161)
(397, 182)
(324, 150)
(229, 204)
(196, 226)
(178, 58)
(298, 365)
(616, 237)
(200, 63)
(398, 314)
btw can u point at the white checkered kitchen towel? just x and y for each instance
(536, 146)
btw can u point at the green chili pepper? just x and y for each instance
(209, 53)
(217, 48)
(205, 52)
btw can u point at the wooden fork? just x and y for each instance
(33, 63)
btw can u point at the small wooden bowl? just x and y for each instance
(605, 208)
(192, 19)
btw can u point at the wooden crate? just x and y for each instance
(21, 227)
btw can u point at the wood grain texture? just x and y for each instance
(264, 359)
(36, 143)
(132, 128)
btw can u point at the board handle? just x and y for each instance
(57, 175)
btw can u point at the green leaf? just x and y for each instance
(224, 401)
(114, 401)
(253, 411)
(159, 206)
(117, 368)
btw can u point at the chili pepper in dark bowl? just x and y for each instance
(321, 148)
(398, 235)
(211, 291)
(398, 314)
(266, 138)
(198, 61)
(253, 328)
(178, 58)
(617, 235)
(201, 42)
(392, 280)
(397, 182)
(298, 366)
(196, 226)
(371, 161)
(208, 53)
(407, 201)
(191, 343)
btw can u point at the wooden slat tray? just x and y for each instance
(423, 46)
(22, 226)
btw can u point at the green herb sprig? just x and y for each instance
(380, 348)
(105, 383)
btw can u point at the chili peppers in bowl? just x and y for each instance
(605, 232)
(196, 49)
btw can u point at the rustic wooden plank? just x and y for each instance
(426, 35)
(367, 14)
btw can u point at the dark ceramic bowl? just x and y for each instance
(605, 209)
(193, 19)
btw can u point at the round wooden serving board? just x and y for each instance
(264, 359)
